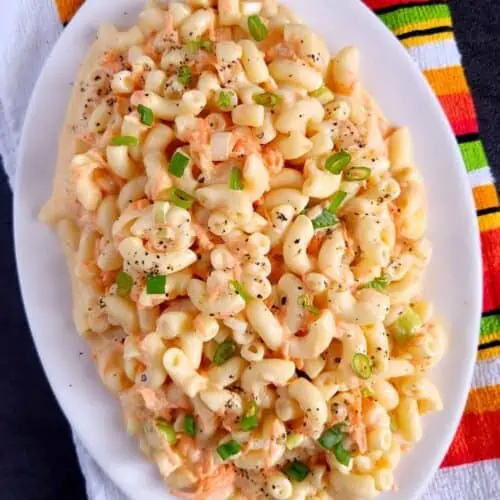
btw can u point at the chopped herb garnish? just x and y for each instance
(379, 283)
(124, 282)
(225, 99)
(155, 284)
(342, 455)
(178, 164)
(267, 99)
(146, 115)
(257, 28)
(180, 198)
(297, 470)
(303, 301)
(167, 430)
(406, 325)
(338, 162)
(250, 419)
(224, 352)
(193, 46)
(361, 365)
(241, 290)
(332, 436)
(228, 449)
(235, 179)
(189, 425)
(325, 220)
(323, 94)
(184, 75)
(124, 140)
(357, 174)
(336, 201)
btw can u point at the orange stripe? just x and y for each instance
(477, 438)
(67, 9)
(483, 399)
(494, 352)
(450, 80)
(485, 196)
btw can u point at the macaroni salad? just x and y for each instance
(244, 231)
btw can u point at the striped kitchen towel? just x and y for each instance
(471, 469)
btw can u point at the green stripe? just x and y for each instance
(474, 155)
(411, 15)
(490, 324)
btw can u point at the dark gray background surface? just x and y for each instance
(37, 458)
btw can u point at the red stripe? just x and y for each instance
(459, 109)
(477, 438)
(382, 4)
(490, 245)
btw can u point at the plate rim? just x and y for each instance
(420, 80)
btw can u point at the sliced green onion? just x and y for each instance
(267, 99)
(296, 470)
(167, 430)
(224, 352)
(189, 425)
(323, 94)
(342, 455)
(229, 449)
(124, 140)
(361, 365)
(241, 290)
(180, 198)
(293, 440)
(155, 285)
(124, 282)
(325, 220)
(184, 75)
(337, 162)
(193, 46)
(303, 301)
(225, 99)
(379, 283)
(336, 201)
(178, 164)
(235, 179)
(250, 419)
(206, 45)
(406, 325)
(332, 436)
(146, 115)
(257, 28)
(357, 174)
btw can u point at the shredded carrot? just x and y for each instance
(273, 159)
(358, 430)
(222, 478)
(203, 237)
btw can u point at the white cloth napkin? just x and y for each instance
(28, 31)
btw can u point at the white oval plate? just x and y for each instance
(453, 279)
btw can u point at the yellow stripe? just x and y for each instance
(483, 399)
(424, 25)
(485, 196)
(449, 80)
(489, 221)
(494, 352)
(490, 337)
(417, 40)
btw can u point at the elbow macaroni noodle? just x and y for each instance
(245, 236)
